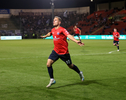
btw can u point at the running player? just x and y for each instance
(116, 36)
(60, 49)
(77, 32)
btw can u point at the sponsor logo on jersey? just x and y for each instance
(55, 38)
(58, 33)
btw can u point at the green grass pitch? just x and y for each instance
(24, 76)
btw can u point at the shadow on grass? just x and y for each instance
(86, 82)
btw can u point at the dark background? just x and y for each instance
(45, 4)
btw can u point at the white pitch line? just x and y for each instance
(111, 51)
(47, 56)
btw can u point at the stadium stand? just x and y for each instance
(119, 22)
(95, 21)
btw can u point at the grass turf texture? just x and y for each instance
(24, 76)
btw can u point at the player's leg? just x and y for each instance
(75, 68)
(74, 35)
(67, 59)
(49, 67)
(117, 44)
(114, 43)
(50, 71)
(79, 37)
(52, 58)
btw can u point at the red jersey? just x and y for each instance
(114, 35)
(59, 39)
(77, 30)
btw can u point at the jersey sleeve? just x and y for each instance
(65, 32)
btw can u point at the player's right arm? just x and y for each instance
(47, 35)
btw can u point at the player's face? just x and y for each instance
(75, 26)
(115, 30)
(56, 22)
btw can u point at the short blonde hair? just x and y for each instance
(58, 18)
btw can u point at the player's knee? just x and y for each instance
(70, 66)
(48, 65)
(49, 62)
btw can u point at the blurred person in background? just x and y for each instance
(116, 36)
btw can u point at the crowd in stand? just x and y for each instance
(42, 23)
(108, 21)
(98, 20)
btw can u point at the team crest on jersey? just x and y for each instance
(58, 33)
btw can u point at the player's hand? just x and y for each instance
(43, 37)
(80, 43)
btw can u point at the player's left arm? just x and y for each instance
(76, 41)
(66, 33)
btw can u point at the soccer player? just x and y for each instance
(60, 35)
(116, 36)
(77, 32)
